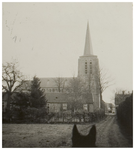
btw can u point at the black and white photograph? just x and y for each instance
(67, 74)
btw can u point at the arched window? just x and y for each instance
(90, 67)
(85, 67)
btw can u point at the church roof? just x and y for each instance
(59, 97)
(88, 50)
(51, 82)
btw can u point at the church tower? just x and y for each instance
(88, 70)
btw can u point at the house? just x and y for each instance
(59, 102)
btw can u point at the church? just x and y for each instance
(88, 72)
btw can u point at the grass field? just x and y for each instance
(59, 135)
(38, 135)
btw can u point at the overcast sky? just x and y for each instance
(48, 38)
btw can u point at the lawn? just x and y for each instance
(37, 135)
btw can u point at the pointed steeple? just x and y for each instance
(88, 44)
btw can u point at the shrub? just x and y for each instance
(125, 113)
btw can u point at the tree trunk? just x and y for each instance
(8, 106)
(101, 100)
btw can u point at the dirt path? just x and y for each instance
(59, 135)
(109, 135)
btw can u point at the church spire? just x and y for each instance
(88, 44)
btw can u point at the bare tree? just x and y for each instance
(75, 90)
(12, 80)
(104, 80)
(115, 91)
(60, 83)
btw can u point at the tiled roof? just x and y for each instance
(56, 97)
(51, 82)
(48, 82)
(63, 97)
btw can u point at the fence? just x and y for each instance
(33, 115)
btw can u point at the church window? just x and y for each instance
(90, 67)
(85, 67)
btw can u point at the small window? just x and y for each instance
(64, 106)
(85, 106)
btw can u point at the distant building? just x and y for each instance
(109, 108)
